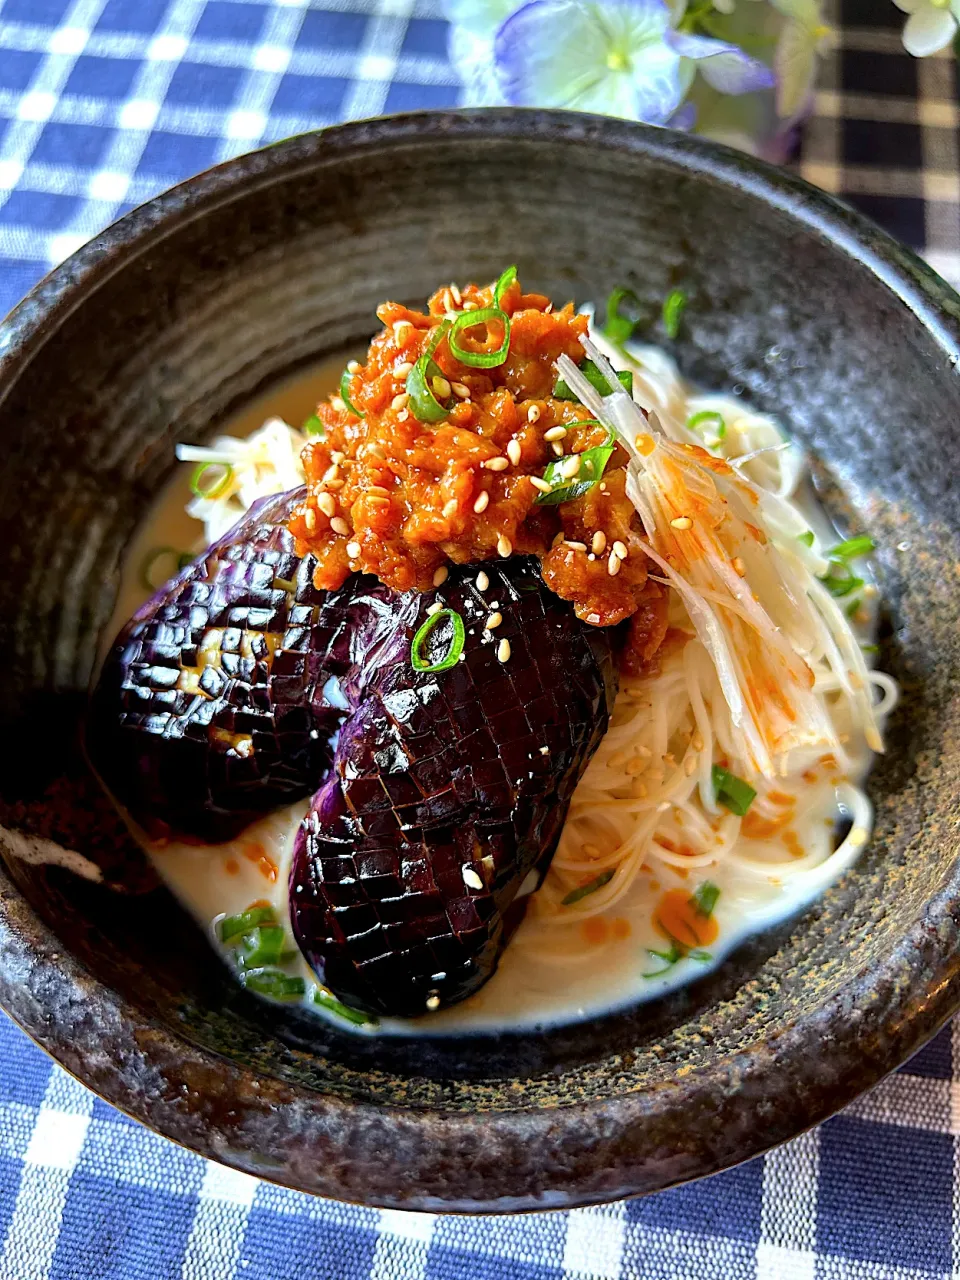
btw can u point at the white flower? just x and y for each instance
(803, 37)
(932, 24)
(620, 59)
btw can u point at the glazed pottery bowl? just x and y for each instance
(192, 305)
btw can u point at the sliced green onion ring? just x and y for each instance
(674, 305)
(593, 463)
(840, 580)
(326, 1001)
(503, 284)
(853, 548)
(585, 889)
(180, 561)
(313, 426)
(220, 484)
(418, 658)
(345, 393)
(274, 983)
(424, 405)
(620, 324)
(262, 945)
(732, 792)
(232, 928)
(480, 359)
(707, 419)
(704, 898)
(596, 379)
(806, 538)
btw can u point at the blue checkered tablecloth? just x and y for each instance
(102, 104)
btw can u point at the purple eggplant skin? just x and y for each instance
(218, 700)
(448, 789)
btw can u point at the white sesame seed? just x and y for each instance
(591, 557)
(403, 369)
(496, 464)
(402, 330)
(450, 509)
(434, 608)
(310, 519)
(471, 879)
(482, 502)
(334, 485)
(621, 550)
(337, 403)
(493, 621)
(599, 543)
(401, 401)
(378, 491)
(353, 550)
(339, 525)
(555, 433)
(332, 473)
(576, 546)
(513, 452)
(739, 568)
(327, 503)
(461, 391)
(504, 546)
(353, 366)
(542, 485)
(613, 565)
(682, 522)
(433, 1002)
(403, 415)
(441, 387)
(557, 448)
(441, 575)
(483, 582)
(457, 296)
(470, 306)
(336, 457)
(533, 413)
(571, 466)
(503, 651)
(544, 751)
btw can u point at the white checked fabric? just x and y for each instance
(102, 104)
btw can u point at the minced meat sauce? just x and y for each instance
(400, 498)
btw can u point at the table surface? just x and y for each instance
(102, 104)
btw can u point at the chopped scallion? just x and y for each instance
(806, 538)
(313, 426)
(870, 648)
(704, 898)
(455, 642)
(232, 928)
(262, 945)
(356, 1016)
(586, 889)
(596, 379)
(732, 792)
(854, 607)
(674, 305)
(839, 581)
(345, 378)
(471, 356)
(205, 487)
(424, 405)
(593, 463)
(668, 958)
(853, 548)
(708, 421)
(624, 313)
(274, 983)
(503, 284)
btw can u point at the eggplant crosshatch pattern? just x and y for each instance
(103, 103)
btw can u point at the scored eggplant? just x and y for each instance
(449, 790)
(218, 700)
(441, 755)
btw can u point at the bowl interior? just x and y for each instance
(194, 305)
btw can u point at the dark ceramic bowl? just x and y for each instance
(193, 304)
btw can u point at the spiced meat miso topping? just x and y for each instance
(450, 444)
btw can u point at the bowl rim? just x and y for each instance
(496, 1161)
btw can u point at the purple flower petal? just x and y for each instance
(725, 67)
(684, 119)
